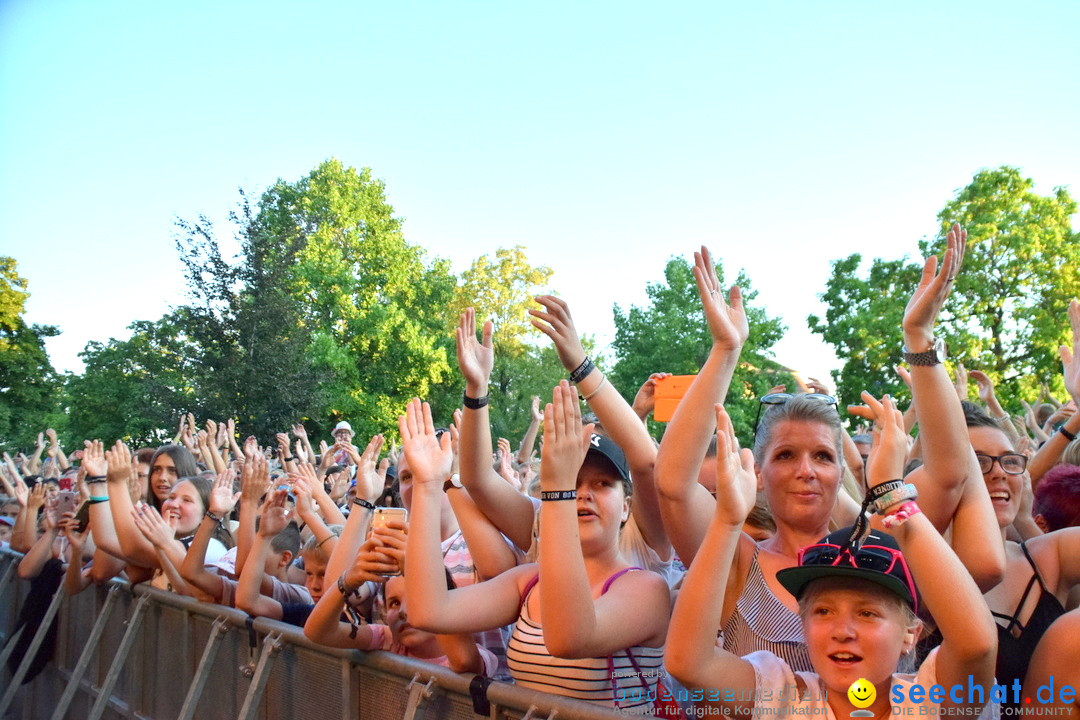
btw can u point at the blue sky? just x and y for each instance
(604, 137)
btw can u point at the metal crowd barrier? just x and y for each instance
(138, 652)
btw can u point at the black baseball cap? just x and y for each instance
(876, 558)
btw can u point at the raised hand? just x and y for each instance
(36, 499)
(222, 497)
(254, 479)
(1070, 357)
(934, 287)
(93, 460)
(566, 441)
(430, 458)
(961, 381)
(299, 430)
(274, 514)
(537, 413)
(372, 564)
(118, 458)
(886, 460)
(211, 431)
(476, 359)
(645, 399)
(555, 322)
(985, 386)
(157, 530)
(301, 453)
(736, 482)
(726, 320)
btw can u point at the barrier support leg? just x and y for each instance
(87, 654)
(271, 645)
(32, 649)
(134, 623)
(417, 693)
(217, 632)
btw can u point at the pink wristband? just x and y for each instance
(901, 515)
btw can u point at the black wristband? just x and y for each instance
(582, 371)
(220, 521)
(559, 495)
(878, 490)
(474, 403)
(345, 591)
(1066, 433)
(362, 503)
(94, 479)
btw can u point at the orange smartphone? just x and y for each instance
(669, 391)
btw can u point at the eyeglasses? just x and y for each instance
(1011, 463)
(782, 398)
(876, 558)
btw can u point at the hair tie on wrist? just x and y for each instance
(595, 389)
(95, 499)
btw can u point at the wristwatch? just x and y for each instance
(453, 482)
(934, 356)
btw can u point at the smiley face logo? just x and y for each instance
(862, 693)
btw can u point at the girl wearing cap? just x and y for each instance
(586, 623)
(857, 604)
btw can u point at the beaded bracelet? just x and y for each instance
(901, 515)
(558, 495)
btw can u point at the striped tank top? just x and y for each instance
(589, 679)
(762, 622)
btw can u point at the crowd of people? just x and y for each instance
(657, 578)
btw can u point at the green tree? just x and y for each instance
(670, 335)
(1007, 312)
(862, 323)
(136, 389)
(502, 289)
(28, 382)
(328, 313)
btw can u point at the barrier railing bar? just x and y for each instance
(202, 673)
(271, 645)
(105, 691)
(88, 652)
(32, 649)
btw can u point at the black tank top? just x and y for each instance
(1014, 652)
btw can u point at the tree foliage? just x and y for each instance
(670, 335)
(1007, 312)
(28, 383)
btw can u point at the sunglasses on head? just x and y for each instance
(781, 398)
(876, 558)
(1011, 463)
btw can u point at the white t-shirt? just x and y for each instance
(777, 693)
